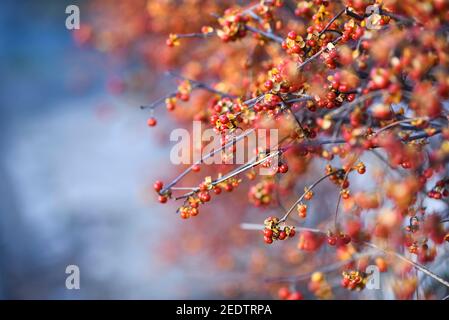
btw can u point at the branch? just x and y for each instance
(201, 85)
(416, 265)
(269, 35)
(332, 21)
(250, 226)
(316, 55)
(212, 153)
(195, 35)
(310, 188)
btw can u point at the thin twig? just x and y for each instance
(316, 55)
(269, 35)
(332, 21)
(416, 265)
(250, 226)
(310, 188)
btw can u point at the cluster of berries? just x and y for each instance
(302, 210)
(170, 103)
(330, 58)
(277, 80)
(337, 176)
(381, 78)
(440, 190)
(226, 114)
(184, 90)
(233, 25)
(319, 286)
(351, 31)
(340, 239)
(205, 189)
(303, 8)
(172, 40)
(285, 293)
(294, 44)
(203, 194)
(310, 241)
(354, 280)
(422, 251)
(261, 194)
(268, 104)
(308, 194)
(273, 230)
(158, 186)
(337, 93)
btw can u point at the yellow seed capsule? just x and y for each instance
(317, 277)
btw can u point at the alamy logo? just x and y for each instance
(73, 280)
(73, 20)
(238, 147)
(373, 17)
(373, 282)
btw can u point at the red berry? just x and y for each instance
(282, 235)
(158, 185)
(185, 215)
(333, 54)
(345, 282)
(352, 284)
(350, 97)
(292, 35)
(311, 43)
(345, 239)
(151, 122)
(217, 190)
(170, 106)
(268, 233)
(343, 88)
(194, 204)
(332, 240)
(428, 173)
(224, 119)
(213, 119)
(296, 49)
(204, 196)
(162, 199)
(194, 212)
(331, 95)
(196, 168)
(268, 240)
(283, 168)
(292, 233)
(440, 183)
(283, 293)
(295, 296)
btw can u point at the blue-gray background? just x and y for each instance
(75, 164)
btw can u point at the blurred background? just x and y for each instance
(76, 161)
